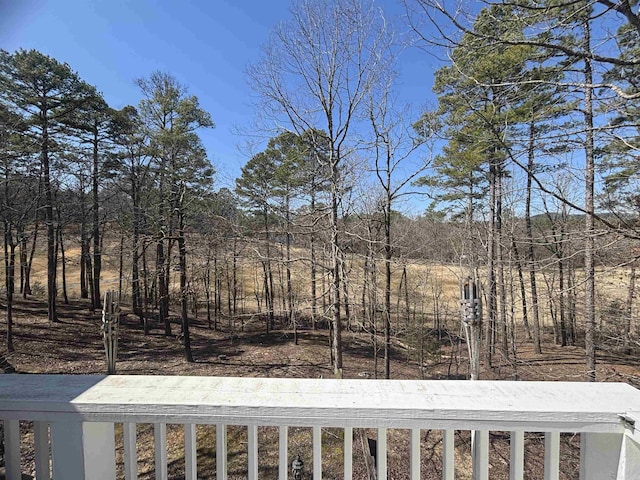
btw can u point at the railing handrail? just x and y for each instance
(438, 404)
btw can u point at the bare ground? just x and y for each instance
(75, 346)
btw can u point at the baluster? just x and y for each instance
(221, 451)
(348, 453)
(516, 462)
(480, 449)
(448, 458)
(12, 449)
(41, 444)
(283, 469)
(551, 455)
(252, 446)
(381, 453)
(317, 453)
(415, 454)
(130, 451)
(190, 452)
(160, 440)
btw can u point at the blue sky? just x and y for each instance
(205, 44)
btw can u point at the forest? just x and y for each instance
(525, 174)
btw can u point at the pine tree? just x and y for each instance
(170, 119)
(45, 93)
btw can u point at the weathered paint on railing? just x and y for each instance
(81, 412)
(629, 464)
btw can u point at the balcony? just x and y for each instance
(84, 427)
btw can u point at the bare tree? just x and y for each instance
(316, 72)
(396, 167)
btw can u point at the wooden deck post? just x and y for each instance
(41, 446)
(629, 466)
(12, 449)
(480, 454)
(600, 455)
(83, 450)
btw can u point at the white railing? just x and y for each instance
(74, 418)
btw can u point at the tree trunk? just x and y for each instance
(228, 281)
(269, 293)
(234, 275)
(403, 296)
(9, 270)
(29, 264)
(631, 292)
(145, 291)
(369, 459)
(120, 267)
(63, 261)
(207, 289)
(336, 269)
(84, 246)
(561, 303)
(523, 290)
(502, 292)
(365, 282)
(89, 273)
(571, 303)
(182, 253)
(312, 246)
(530, 251)
(22, 237)
(9, 257)
(561, 281)
(290, 306)
(136, 296)
(97, 254)
(373, 310)
(218, 297)
(552, 308)
(324, 283)
(225, 278)
(282, 283)
(387, 281)
(491, 273)
(345, 290)
(163, 294)
(49, 219)
(589, 248)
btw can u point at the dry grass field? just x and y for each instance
(240, 347)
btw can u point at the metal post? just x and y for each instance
(471, 315)
(110, 322)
